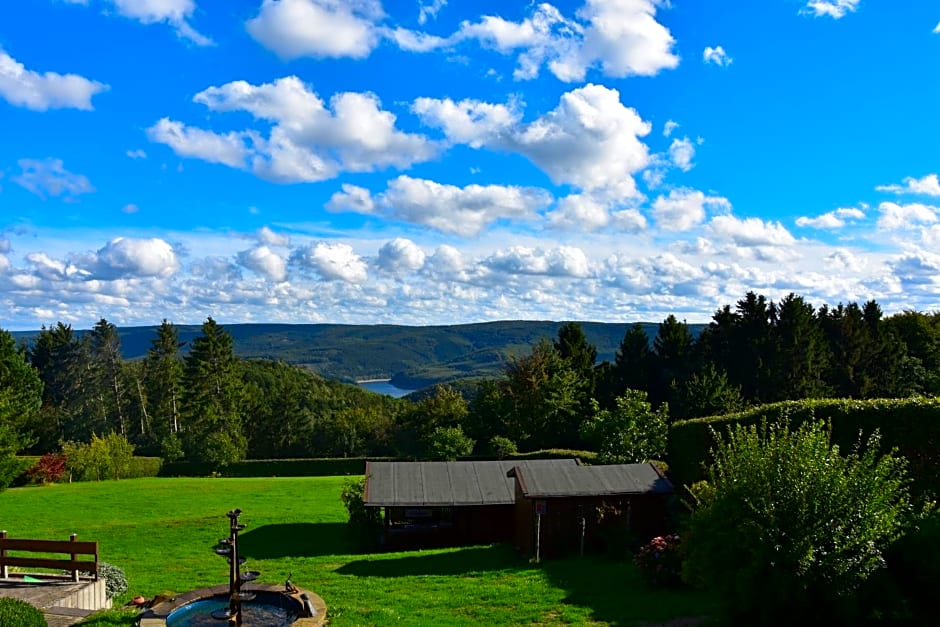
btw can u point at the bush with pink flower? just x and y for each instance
(660, 561)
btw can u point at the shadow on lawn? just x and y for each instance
(617, 595)
(298, 540)
(460, 562)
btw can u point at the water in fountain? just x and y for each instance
(267, 610)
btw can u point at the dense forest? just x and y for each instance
(414, 357)
(203, 402)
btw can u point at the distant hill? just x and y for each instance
(412, 357)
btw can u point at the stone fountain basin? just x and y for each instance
(157, 615)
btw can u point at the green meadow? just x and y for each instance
(162, 531)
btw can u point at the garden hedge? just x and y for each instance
(139, 467)
(911, 425)
(308, 467)
(325, 467)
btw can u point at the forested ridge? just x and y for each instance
(203, 402)
(415, 356)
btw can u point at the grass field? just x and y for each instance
(162, 531)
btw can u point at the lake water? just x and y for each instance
(384, 387)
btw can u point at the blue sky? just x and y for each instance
(434, 162)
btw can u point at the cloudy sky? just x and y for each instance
(438, 162)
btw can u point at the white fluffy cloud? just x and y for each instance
(130, 257)
(927, 186)
(470, 122)
(264, 261)
(580, 212)
(176, 13)
(400, 256)
(750, 231)
(269, 238)
(684, 209)
(308, 141)
(332, 261)
(464, 211)
(833, 8)
(48, 177)
(428, 9)
(620, 37)
(590, 140)
(831, 220)
(353, 199)
(564, 261)
(681, 152)
(231, 149)
(317, 28)
(49, 90)
(716, 56)
(896, 217)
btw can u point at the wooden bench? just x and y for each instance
(78, 552)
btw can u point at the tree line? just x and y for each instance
(207, 404)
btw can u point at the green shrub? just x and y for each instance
(630, 433)
(107, 457)
(353, 497)
(911, 425)
(789, 529)
(115, 581)
(913, 567)
(144, 467)
(449, 443)
(14, 612)
(501, 446)
(11, 469)
(659, 561)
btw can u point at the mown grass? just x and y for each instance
(161, 532)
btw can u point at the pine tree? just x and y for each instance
(108, 376)
(20, 400)
(673, 354)
(632, 367)
(801, 357)
(164, 375)
(212, 398)
(62, 360)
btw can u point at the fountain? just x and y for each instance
(260, 605)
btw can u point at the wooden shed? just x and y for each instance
(562, 509)
(435, 504)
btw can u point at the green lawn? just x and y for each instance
(161, 532)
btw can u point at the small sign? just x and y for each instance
(540, 507)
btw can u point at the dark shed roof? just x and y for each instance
(561, 481)
(427, 484)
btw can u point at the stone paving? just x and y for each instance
(46, 596)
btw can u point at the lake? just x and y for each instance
(384, 386)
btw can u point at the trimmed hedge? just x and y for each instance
(144, 467)
(309, 467)
(139, 467)
(326, 466)
(20, 613)
(586, 457)
(911, 425)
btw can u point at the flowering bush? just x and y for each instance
(660, 562)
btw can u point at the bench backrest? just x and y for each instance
(83, 556)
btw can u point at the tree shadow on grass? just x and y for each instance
(299, 540)
(449, 562)
(617, 595)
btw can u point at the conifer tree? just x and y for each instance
(212, 398)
